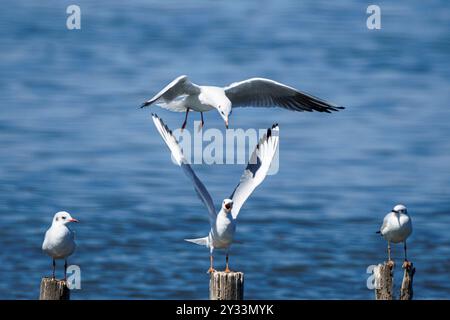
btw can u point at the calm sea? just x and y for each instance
(72, 138)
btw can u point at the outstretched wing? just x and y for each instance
(177, 154)
(260, 92)
(172, 94)
(256, 169)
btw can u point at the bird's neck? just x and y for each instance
(59, 226)
(225, 214)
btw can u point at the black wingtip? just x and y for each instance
(333, 109)
(269, 133)
(378, 232)
(145, 104)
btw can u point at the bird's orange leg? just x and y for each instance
(389, 251)
(390, 262)
(226, 268)
(185, 120)
(404, 247)
(406, 263)
(211, 261)
(201, 123)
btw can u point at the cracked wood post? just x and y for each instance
(226, 286)
(384, 281)
(406, 291)
(53, 289)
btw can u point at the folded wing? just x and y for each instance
(256, 169)
(384, 226)
(260, 92)
(177, 154)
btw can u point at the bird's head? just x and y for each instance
(400, 208)
(63, 218)
(224, 109)
(216, 98)
(227, 205)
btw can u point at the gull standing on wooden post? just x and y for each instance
(396, 228)
(223, 224)
(59, 242)
(181, 95)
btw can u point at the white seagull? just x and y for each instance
(396, 227)
(223, 224)
(59, 242)
(181, 95)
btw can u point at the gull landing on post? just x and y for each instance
(223, 223)
(181, 95)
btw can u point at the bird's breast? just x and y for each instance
(398, 229)
(224, 228)
(59, 243)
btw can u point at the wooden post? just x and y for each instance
(406, 291)
(53, 289)
(384, 281)
(226, 286)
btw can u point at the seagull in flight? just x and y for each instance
(181, 95)
(59, 242)
(396, 227)
(223, 223)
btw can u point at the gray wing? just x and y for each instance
(256, 169)
(45, 242)
(385, 223)
(177, 154)
(172, 94)
(260, 92)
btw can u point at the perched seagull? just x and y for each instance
(59, 242)
(396, 227)
(181, 95)
(223, 224)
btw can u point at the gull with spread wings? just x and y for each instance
(223, 223)
(181, 95)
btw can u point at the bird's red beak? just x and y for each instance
(73, 220)
(226, 123)
(228, 206)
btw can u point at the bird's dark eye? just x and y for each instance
(64, 218)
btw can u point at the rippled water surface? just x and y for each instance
(72, 138)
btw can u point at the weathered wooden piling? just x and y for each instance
(406, 291)
(226, 286)
(384, 282)
(53, 289)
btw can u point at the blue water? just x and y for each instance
(72, 138)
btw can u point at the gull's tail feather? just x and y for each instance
(200, 241)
